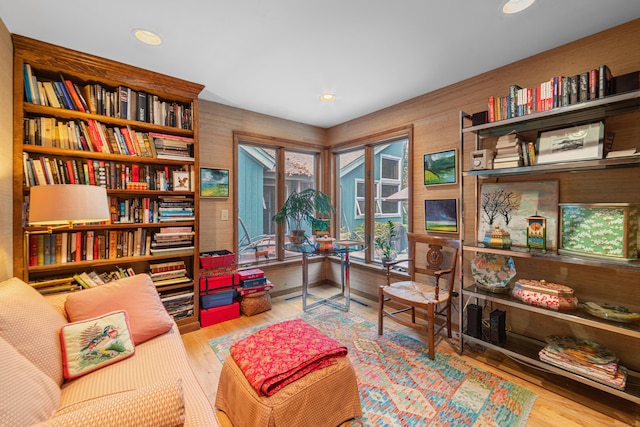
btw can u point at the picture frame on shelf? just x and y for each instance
(214, 183)
(441, 168)
(582, 142)
(181, 181)
(509, 204)
(441, 215)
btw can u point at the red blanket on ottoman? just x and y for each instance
(282, 353)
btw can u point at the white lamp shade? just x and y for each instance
(67, 204)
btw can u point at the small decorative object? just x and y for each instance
(600, 229)
(440, 168)
(481, 159)
(541, 293)
(181, 181)
(497, 238)
(493, 272)
(608, 311)
(537, 232)
(214, 182)
(583, 142)
(325, 244)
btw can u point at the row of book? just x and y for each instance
(559, 91)
(175, 208)
(121, 102)
(145, 210)
(78, 246)
(46, 170)
(91, 135)
(79, 281)
(169, 273)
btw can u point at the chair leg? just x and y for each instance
(431, 331)
(449, 319)
(380, 309)
(413, 315)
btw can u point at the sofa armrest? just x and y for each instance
(160, 404)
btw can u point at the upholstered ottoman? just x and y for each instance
(324, 397)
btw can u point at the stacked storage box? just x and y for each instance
(217, 283)
(254, 292)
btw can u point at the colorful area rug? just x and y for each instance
(400, 386)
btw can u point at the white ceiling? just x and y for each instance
(277, 56)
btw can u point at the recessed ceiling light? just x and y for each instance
(327, 97)
(515, 6)
(146, 36)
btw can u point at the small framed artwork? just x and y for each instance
(441, 215)
(214, 182)
(583, 142)
(181, 181)
(440, 168)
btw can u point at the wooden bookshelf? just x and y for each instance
(171, 109)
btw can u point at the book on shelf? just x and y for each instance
(507, 164)
(187, 250)
(622, 153)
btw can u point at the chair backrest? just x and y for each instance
(441, 256)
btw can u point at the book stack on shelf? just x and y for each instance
(509, 151)
(169, 273)
(172, 147)
(558, 91)
(179, 303)
(56, 285)
(585, 358)
(172, 240)
(175, 208)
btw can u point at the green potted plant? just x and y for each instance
(301, 207)
(383, 241)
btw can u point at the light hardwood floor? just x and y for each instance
(550, 409)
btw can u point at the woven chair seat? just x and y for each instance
(419, 293)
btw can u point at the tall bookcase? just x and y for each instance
(137, 178)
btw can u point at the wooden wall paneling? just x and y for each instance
(6, 153)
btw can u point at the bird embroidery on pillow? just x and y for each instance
(100, 344)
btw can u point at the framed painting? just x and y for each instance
(509, 204)
(181, 181)
(440, 168)
(584, 142)
(441, 215)
(214, 182)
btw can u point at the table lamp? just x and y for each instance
(60, 206)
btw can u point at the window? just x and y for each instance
(258, 185)
(382, 166)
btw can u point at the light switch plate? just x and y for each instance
(224, 214)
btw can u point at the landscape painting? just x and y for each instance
(214, 182)
(440, 168)
(441, 215)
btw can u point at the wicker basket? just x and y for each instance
(255, 303)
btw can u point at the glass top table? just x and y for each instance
(342, 299)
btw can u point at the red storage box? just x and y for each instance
(216, 259)
(215, 315)
(217, 282)
(250, 274)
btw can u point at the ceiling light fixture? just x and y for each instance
(515, 6)
(146, 36)
(327, 97)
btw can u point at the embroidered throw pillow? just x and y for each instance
(95, 343)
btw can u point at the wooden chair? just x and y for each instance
(434, 298)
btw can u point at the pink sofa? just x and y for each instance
(155, 386)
